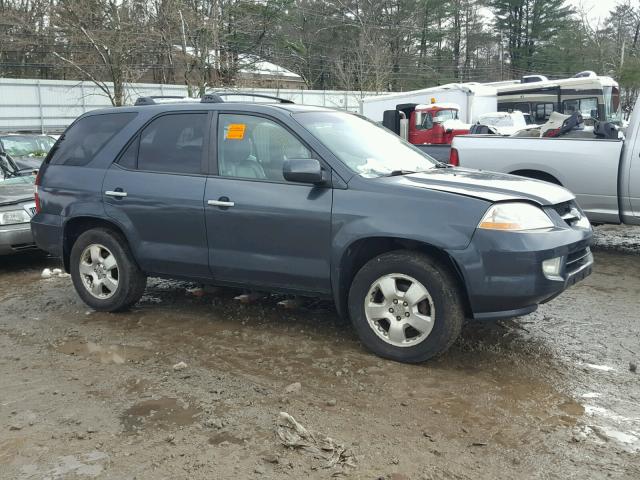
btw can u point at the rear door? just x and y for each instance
(155, 191)
(263, 230)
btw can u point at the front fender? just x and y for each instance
(435, 219)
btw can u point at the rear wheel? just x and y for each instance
(104, 272)
(406, 307)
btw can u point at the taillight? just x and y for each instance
(454, 159)
(37, 197)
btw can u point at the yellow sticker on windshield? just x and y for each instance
(235, 131)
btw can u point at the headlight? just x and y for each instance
(515, 217)
(14, 216)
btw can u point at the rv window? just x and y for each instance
(582, 105)
(543, 110)
(523, 107)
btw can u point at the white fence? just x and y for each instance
(51, 105)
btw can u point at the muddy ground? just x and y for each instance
(89, 395)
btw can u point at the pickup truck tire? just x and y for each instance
(103, 271)
(397, 291)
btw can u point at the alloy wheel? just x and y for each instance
(399, 310)
(99, 271)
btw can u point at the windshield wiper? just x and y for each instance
(442, 165)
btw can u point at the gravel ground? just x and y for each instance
(190, 385)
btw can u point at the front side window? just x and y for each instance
(426, 121)
(255, 147)
(364, 147)
(86, 137)
(171, 143)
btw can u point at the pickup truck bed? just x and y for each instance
(590, 168)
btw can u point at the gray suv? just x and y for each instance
(303, 200)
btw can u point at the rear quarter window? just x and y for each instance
(86, 137)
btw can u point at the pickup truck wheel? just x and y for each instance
(103, 271)
(405, 307)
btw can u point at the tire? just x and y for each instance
(368, 306)
(102, 286)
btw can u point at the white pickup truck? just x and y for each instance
(603, 174)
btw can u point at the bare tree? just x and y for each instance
(109, 31)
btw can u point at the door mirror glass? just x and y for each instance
(303, 170)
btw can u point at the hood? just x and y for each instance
(11, 192)
(28, 163)
(490, 186)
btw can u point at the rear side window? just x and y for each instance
(173, 143)
(85, 138)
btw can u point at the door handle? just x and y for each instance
(221, 202)
(116, 193)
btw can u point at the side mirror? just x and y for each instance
(303, 170)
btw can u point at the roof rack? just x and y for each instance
(246, 94)
(215, 97)
(151, 100)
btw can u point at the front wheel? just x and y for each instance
(104, 272)
(406, 307)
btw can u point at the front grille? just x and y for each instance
(577, 260)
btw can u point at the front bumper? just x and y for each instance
(503, 270)
(16, 239)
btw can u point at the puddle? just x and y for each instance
(160, 413)
(610, 425)
(117, 354)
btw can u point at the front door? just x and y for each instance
(263, 230)
(155, 191)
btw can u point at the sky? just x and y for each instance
(598, 9)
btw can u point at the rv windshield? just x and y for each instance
(363, 146)
(612, 110)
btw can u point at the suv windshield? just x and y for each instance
(27, 145)
(363, 146)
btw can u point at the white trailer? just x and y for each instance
(473, 99)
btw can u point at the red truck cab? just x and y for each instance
(436, 123)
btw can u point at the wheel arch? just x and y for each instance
(360, 251)
(76, 226)
(537, 175)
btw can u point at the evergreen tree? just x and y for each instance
(527, 26)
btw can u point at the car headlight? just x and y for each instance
(12, 217)
(515, 217)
